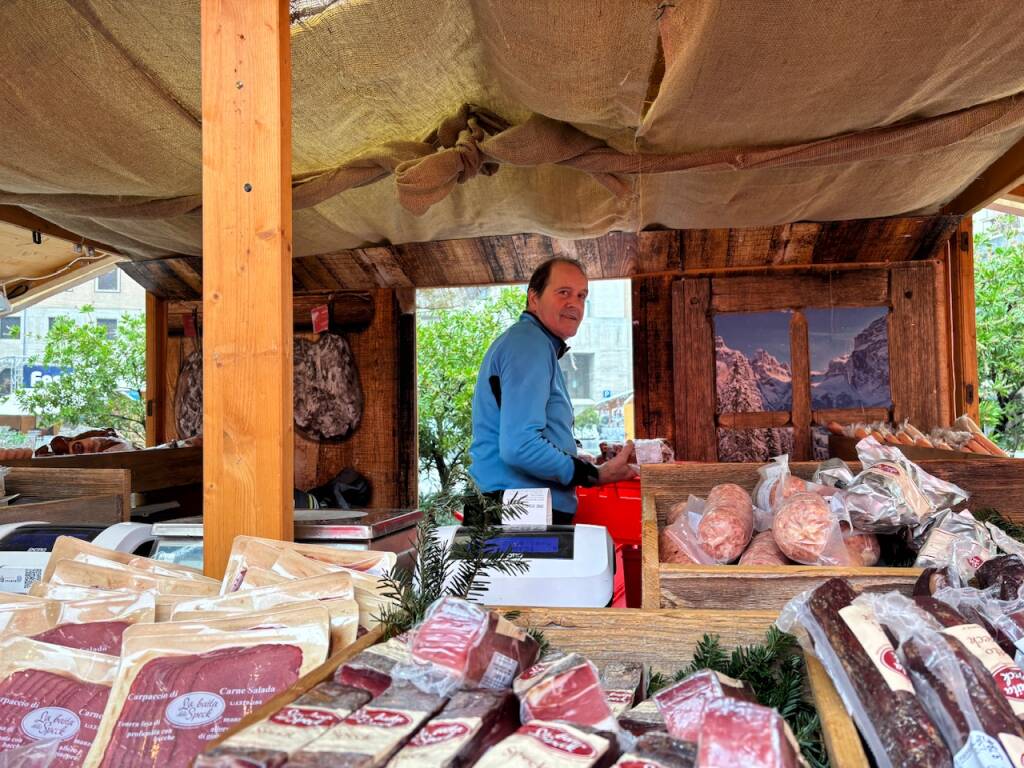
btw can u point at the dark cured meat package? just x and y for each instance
(1008, 677)
(270, 742)
(682, 705)
(177, 704)
(470, 723)
(52, 693)
(1006, 571)
(643, 718)
(373, 733)
(371, 669)
(739, 733)
(931, 581)
(541, 744)
(659, 750)
(95, 636)
(874, 687)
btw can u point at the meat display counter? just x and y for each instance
(391, 530)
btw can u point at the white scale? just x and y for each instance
(570, 566)
(25, 547)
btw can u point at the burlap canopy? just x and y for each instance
(417, 120)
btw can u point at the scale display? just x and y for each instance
(545, 544)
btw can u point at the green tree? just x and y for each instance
(452, 337)
(999, 288)
(587, 418)
(101, 378)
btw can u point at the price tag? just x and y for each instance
(188, 322)
(319, 315)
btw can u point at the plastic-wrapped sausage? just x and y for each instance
(764, 550)
(863, 548)
(807, 531)
(727, 524)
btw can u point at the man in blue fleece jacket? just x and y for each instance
(522, 414)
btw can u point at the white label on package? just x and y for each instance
(1014, 746)
(938, 546)
(861, 622)
(648, 451)
(500, 672)
(1008, 676)
(437, 742)
(535, 502)
(18, 580)
(981, 751)
(288, 730)
(369, 731)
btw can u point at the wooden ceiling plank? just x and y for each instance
(1005, 174)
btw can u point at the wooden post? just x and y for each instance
(800, 364)
(156, 365)
(963, 322)
(247, 250)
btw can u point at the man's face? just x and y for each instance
(560, 307)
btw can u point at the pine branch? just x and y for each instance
(1010, 528)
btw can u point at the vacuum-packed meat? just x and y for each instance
(863, 548)
(740, 733)
(541, 744)
(727, 523)
(764, 550)
(643, 718)
(470, 723)
(659, 750)
(569, 691)
(270, 742)
(371, 669)
(1004, 571)
(95, 636)
(682, 705)
(623, 684)
(806, 531)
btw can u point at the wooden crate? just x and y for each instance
(995, 483)
(71, 496)
(736, 587)
(663, 639)
(845, 448)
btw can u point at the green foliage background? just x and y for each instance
(452, 336)
(92, 393)
(999, 296)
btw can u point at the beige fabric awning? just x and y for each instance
(588, 116)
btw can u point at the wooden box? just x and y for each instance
(734, 587)
(663, 639)
(842, 447)
(70, 497)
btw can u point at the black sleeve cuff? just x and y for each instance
(583, 473)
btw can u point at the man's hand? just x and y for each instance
(619, 468)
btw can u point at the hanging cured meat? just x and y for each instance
(328, 396)
(188, 397)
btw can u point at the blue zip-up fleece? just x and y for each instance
(523, 418)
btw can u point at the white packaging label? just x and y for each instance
(288, 730)
(981, 751)
(535, 502)
(912, 496)
(369, 731)
(647, 451)
(500, 672)
(540, 743)
(436, 742)
(619, 701)
(1008, 676)
(938, 546)
(876, 645)
(1014, 746)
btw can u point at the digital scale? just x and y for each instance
(570, 566)
(389, 530)
(25, 547)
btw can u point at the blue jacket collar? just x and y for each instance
(560, 346)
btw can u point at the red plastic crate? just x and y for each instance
(616, 506)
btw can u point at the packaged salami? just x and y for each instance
(1006, 572)
(332, 590)
(189, 682)
(462, 645)
(371, 735)
(270, 742)
(868, 675)
(807, 531)
(567, 689)
(976, 721)
(983, 607)
(678, 543)
(48, 692)
(726, 524)
(947, 527)
(70, 547)
(682, 705)
(541, 744)
(741, 733)
(891, 492)
(471, 723)
(247, 551)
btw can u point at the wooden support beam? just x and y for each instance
(247, 277)
(156, 369)
(1000, 177)
(963, 322)
(653, 331)
(754, 420)
(19, 217)
(696, 438)
(800, 364)
(347, 311)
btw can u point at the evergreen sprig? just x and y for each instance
(440, 571)
(775, 672)
(1010, 528)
